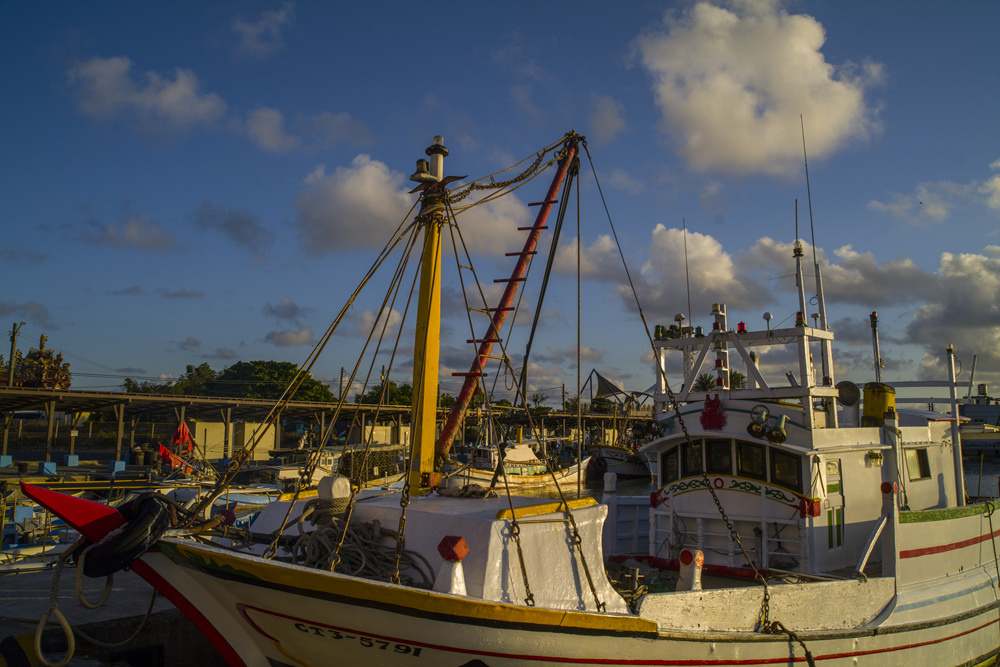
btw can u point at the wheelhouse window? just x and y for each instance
(668, 467)
(786, 469)
(691, 459)
(751, 460)
(918, 464)
(719, 457)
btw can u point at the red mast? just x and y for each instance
(499, 314)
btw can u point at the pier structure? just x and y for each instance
(129, 409)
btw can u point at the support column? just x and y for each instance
(120, 413)
(50, 409)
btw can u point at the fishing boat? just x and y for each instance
(515, 466)
(773, 486)
(624, 462)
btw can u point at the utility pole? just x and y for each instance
(13, 347)
(9, 417)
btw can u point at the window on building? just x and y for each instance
(786, 469)
(918, 464)
(719, 457)
(751, 460)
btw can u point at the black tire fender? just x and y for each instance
(147, 518)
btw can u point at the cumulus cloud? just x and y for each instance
(599, 260)
(138, 232)
(190, 343)
(290, 338)
(964, 311)
(607, 119)
(935, 202)
(712, 270)
(731, 84)
(354, 207)
(266, 127)
(105, 90)
(29, 311)
(619, 179)
(241, 227)
(286, 310)
(366, 321)
(263, 38)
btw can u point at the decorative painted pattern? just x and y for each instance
(804, 504)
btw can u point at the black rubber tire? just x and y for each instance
(147, 520)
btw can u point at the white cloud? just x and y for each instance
(731, 85)
(520, 95)
(930, 202)
(606, 119)
(263, 38)
(139, 232)
(266, 128)
(354, 207)
(599, 260)
(290, 338)
(105, 90)
(963, 311)
(619, 179)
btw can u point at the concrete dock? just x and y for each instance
(167, 637)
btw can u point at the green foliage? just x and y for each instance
(737, 380)
(394, 395)
(256, 379)
(538, 398)
(446, 401)
(602, 406)
(705, 382)
(41, 368)
(571, 405)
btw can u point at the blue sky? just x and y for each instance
(207, 182)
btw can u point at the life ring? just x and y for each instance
(147, 518)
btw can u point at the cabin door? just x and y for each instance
(834, 505)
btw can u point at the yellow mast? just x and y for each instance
(427, 343)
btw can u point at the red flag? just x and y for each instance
(182, 437)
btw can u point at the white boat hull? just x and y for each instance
(267, 613)
(568, 475)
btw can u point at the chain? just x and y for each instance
(763, 621)
(455, 197)
(404, 501)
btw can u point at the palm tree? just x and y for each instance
(737, 380)
(705, 382)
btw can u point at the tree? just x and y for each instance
(538, 398)
(42, 368)
(571, 405)
(602, 406)
(705, 382)
(195, 381)
(258, 379)
(737, 380)
(394, 395)
(446, 401)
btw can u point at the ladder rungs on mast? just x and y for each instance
(504, 309)
(483, 340)
(528, 229)
(522, 253)
(470, 375)
(539, 203)
(508, 280)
